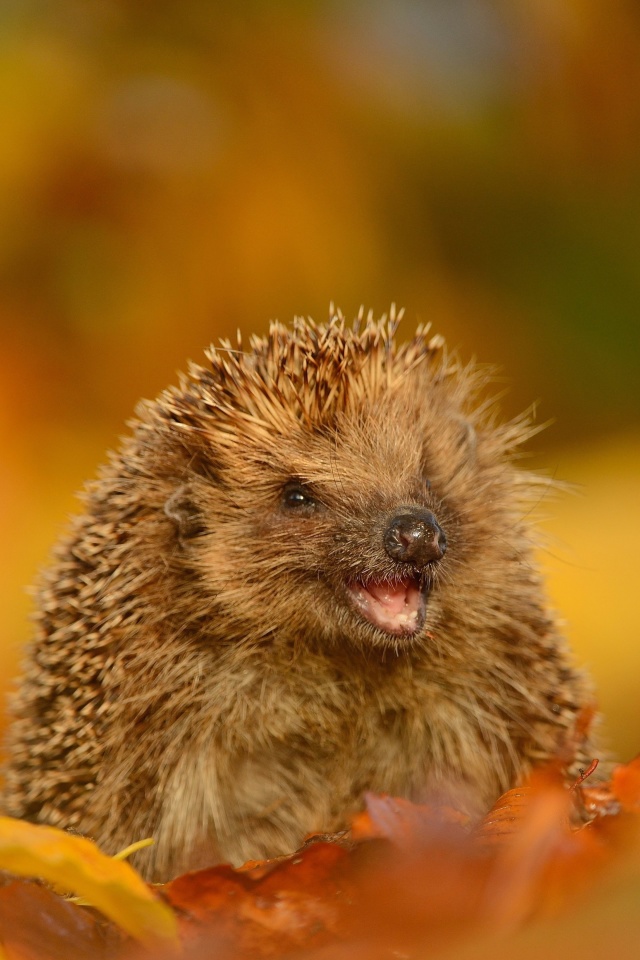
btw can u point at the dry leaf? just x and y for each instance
(37, 924)
(272, 907)
(76, 865)
(625, 785)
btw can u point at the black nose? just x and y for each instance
(415, 536)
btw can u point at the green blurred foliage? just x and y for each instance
(172, 171)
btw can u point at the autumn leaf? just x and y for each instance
(75, 864)
(38, 924)
(272, 907)
(625, 785)
(399, 820)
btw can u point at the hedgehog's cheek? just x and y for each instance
(397, 607)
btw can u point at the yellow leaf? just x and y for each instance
(76, 864)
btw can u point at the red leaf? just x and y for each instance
(272, 906)
(625, 785)
(402, 822)
(37, 924)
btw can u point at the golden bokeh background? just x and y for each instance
(171, 171)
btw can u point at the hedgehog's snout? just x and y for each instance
(396, 604)
(413, 535)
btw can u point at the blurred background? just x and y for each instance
(172, 171)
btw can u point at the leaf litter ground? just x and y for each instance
(535, 878)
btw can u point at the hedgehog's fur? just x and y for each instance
(198, 674)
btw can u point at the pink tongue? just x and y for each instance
(396, 608)
(392, 597)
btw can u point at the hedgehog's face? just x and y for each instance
(386, 565)
(340, 534)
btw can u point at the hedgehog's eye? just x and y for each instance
(295, 495)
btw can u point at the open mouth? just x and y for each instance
(396, 607)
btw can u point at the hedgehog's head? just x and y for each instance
(335, 486)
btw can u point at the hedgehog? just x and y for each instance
(308, 572)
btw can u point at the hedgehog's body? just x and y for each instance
(255, 620)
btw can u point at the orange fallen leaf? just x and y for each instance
(543, 860)
(625, 785)
(401, 821)
(77, 865)
(504, 820)
(272, 907)
(37, 924)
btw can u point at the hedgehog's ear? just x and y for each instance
(181, 509)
